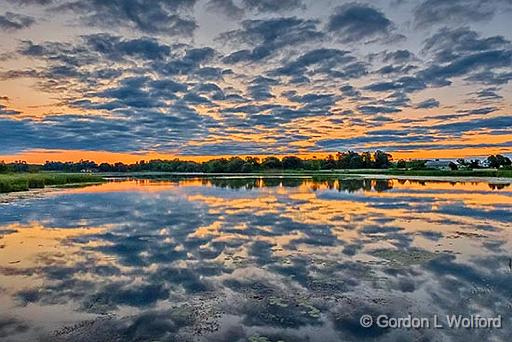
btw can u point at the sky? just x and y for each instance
(141, 79)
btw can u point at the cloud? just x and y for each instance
(148, 16)
(427, 104)
(227, 7)
(497, 123)
(482, 111)
(272, 5)
(490, 77)
(274, 68)
(260, 88)
(449, 44)
(407, 84)
(365, 109)
(398, 56)
(230, 8)
(31, 2)
(436, 12)
(268, 37)
(359, 22)
(461, 52)
(333, 62)
(350, 91)
(117, 48)
(130, 131)
(10, 21)
(5, 111)
(488, 94)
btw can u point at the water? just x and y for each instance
(249, 259)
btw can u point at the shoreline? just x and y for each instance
(32, 193)
(306, 175)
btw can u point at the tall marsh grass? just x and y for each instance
(25, 181)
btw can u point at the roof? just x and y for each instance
(438, 163)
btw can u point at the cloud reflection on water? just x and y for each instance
(230, 259)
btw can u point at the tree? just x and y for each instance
(493, 161)
(355, 161)
(311, 164)
(401, 164)
(292, 163)
(271, 163)
(215, 165)
(105, 167)
(329, 163)
(235, 164)
(3, 167)
(474, 164)
(19, 166)
(416, 164)
(453, 166)
(251, 164)
(343, 160)
(498, 161)
(382, 159)
(366, 160)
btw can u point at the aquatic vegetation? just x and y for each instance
(405, 257)
(25, 181)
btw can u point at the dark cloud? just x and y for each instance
(10, 21)
(232, 9)
(6, 111)
(268, 37)
(398, 56)
(461, 52)
(31, 2)
(490, 77)
(149, 16)
(272, 6)
(482, 111)
(427, 104)
(433, 12)
(366, 109)
(407, 84)
(396, 69)
(488, 94)
(332, 62)
(449, 44)
(359, 22)
(117, 48)
(136, 126)
(350, 91)
(227, 7)
(260, 88)
(495, 123)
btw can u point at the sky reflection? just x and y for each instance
(235, 259)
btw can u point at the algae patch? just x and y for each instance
(405, 257)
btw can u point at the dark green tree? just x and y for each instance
(382, 160)
(270, 163)
(292, 163)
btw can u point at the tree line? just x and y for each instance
(348, 160)
(340, 160)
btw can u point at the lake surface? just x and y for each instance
(251, 259)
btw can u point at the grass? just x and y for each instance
(438, 173)
(504, 173)
(24, 181)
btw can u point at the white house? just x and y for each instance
(438, 164)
